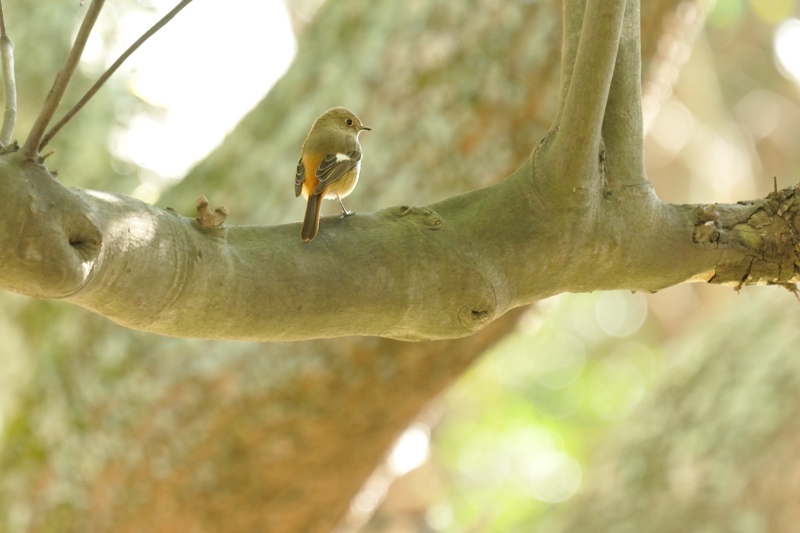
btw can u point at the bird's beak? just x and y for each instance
(365, 128)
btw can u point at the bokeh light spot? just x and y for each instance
(673, 126)
(787, 48)
(439, 516)
(411, 450)
(620, 313)
(554, 477)
(759, 111)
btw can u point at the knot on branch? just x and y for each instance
(209, 222)
(208, 219)
(706, 229)
(474, 317)
(707, 213)
(423, 216)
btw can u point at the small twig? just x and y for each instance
(9, 83)
(108, 73)
(206, 218)
(51, 103)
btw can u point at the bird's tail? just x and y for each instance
(311, 222)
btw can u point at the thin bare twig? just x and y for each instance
(108, 73)
(51, 103)
(9, 83)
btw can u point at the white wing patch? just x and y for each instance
(342, 157)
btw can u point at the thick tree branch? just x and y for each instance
(581, 120)
(109, 72)
(440, 271)
(623, 130)
(31, 147)
(9, 83)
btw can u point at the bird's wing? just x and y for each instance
(334, 166)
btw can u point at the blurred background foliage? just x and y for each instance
(515, 435)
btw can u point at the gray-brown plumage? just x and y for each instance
(330, 161)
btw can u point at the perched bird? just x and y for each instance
(329, 164)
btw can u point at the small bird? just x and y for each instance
(329, 164)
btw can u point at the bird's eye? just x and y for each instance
(349, 121)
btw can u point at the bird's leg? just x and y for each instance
(345, 212)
